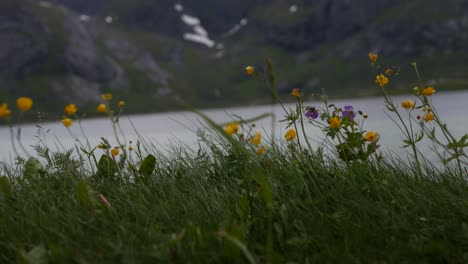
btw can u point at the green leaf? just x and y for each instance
(82, 193)
(266, 191)
(238, 244)
(32, 168)
(5, 188)
(147, 166)
(106, 167)
(462, 143)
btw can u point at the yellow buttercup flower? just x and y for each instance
(256, 139)
(371, 136)
(334, 122)
(373, 57)
(295, 92)
(115, 151)
(70, 109)
(102, 108)
(106, 97)
(231, 128)
(4, 111)
(290, 134)
(260, 151)
(67, 122)
(381, 80)
(250, 70)
(389, 71)
(428, 91)
(122, 104)
(428, 117)
(24, 103)
(408, 104)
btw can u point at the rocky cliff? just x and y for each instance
(148, 51)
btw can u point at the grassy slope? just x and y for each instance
(321, 212)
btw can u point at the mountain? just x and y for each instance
(151, 51)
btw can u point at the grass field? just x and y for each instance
(220, 205)
(239, 197)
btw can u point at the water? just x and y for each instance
(169, 128)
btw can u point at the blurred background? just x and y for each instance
(149, 51)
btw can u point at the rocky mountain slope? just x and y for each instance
(151, 51)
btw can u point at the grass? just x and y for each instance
(210, 207)
(224, 201)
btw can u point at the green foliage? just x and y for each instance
(147, 166)
(198, 208)
(32, 168)
(107, 167)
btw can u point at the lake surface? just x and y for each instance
(168, 128)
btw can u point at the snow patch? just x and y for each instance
(84, 17)
(200, 31)
(199, 39)
(199, 34)
(178, 8)
(293, 9)
(45, 4)
(108, 19)
(190, 20)
(237, 27)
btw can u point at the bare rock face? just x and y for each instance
(82, 57)
(82, 69)
(73, 88)
(139, 59)
(23, 40)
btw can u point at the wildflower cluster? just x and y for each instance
(420, 111)
(344, 126)
(246, 135)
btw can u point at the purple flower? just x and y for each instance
(348, 112)
(311, 112)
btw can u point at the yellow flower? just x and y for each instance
(115, 151)
(231, 128)
(290, 135)
(428, 117)
(381, 80)
(371, 136)
(256, 139)
(4, 111)
(24, 103)
(260, 151)
(389, 71)
(130, 148)
(408, 104)
(295, 92)
(428, 91)
(373, 57)
(71, 109)
(100, 146)
(249, 70)
(122, 104)
(102, 108)
(106, 97)
(67, 122)
(334, 122)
